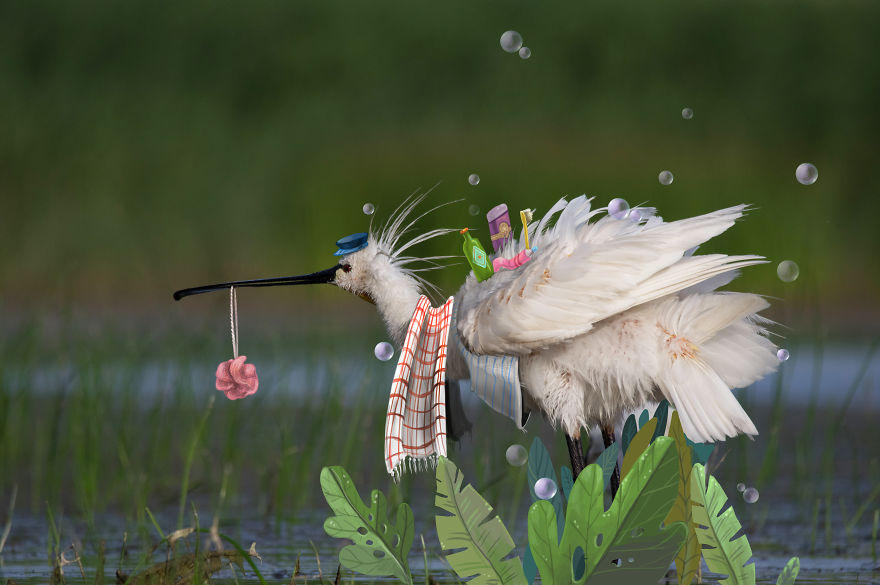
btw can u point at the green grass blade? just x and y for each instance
(716, 529)
(482, 543)
(381, 547)
(789, 572)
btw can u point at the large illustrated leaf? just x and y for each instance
(380, 546)
(715, 531)
(789, 572)
(637, 446)
(484, 542)
(540, 466)
(687, 561)
(628, 531)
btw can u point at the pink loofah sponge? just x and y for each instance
(237, 379)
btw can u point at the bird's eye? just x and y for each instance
(346, 267)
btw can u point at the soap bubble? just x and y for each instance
(618, 208)
(545, 488)
(635, 214)
(517, 455)
(687, 113)
(474, 179)
(474, 210)
(783, 355)
(384, 351)
(740, 487)
(525, 53)
(369, 208)
(630, 560)
(511, 41)
(806, 174)
(750, 495)
(788, 271)
(665, 178)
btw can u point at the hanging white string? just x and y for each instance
(233, 320)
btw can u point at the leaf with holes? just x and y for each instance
(687, 561)
(629, 529)
(716, 529)
(481, 543)
(380, 547)
(637, 446)
(607, 460)
(789, 572)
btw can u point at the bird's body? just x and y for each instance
(608, 315)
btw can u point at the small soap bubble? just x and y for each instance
(635, 214)
(630, 560)
(384, 351)
(687, 113)
(369, 209)
(783, 355)
(788, 271)
(517, 455)
(750, 495)
(806, 174)
(545, 488)
(474, 179)
(740, 487)
(665, 178)
(525, 53)
(511, 41)
(474, 210)
(618, 208)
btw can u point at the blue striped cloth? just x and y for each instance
(495, 379)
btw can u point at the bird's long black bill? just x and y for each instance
(324, 276)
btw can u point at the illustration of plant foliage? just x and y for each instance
(715, 530)
(482, 544)
(687, 561)
(624, 544)
(380, 547)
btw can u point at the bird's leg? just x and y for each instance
(575, 453)
(608, 438)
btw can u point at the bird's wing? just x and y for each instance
(585, 271)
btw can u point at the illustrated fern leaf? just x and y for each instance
(482, 544)
(687, 561)
(381, 547)
(715, 531)
(629, 529)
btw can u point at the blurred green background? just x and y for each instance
(149, 146)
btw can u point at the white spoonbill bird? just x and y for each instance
(608, 314)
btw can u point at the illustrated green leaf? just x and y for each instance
(661, 414)
(702, 451)
(529, 566)
(687, 561)
(380, 547)
(715, 530)
(643, 418)
(628, 531)
(484, 543)
(789, 572)
(567, 480)
(607, 460)
(540, 465)
(637, 446)
(629, 431)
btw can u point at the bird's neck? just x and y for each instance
(396, 298)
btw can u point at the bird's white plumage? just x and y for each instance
(609, 314)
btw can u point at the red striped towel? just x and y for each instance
(415, 426)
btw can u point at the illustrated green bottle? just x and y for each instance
(476, 256)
